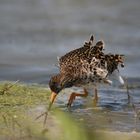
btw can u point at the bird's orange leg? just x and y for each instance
(95, 100)
(73, 96)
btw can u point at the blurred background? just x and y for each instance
(34, 32)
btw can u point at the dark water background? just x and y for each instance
(34, 32)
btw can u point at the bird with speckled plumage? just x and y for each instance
(88, 65)
(84, 67)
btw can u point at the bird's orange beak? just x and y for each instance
(52, 98)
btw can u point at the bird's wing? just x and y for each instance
(85, 70)
(83, 61)
(94, 68)
(71, 73)
(73, 57)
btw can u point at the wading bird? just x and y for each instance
(84, 67)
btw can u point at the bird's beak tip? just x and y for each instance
(53, 96)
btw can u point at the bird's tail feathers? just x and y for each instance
(116, 75)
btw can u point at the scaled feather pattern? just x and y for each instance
(89, 64)
(86, 65)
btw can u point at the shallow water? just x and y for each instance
(33, 33)
(114, 110)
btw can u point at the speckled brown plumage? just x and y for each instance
(88, 64)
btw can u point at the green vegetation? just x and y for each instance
(17, 117)
(14, 105)
(19, 105)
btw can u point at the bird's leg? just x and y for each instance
(95, 100)
(73, 96)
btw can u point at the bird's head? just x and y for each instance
(55, 84)
(55, 87)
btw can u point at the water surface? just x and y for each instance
(33, 33)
